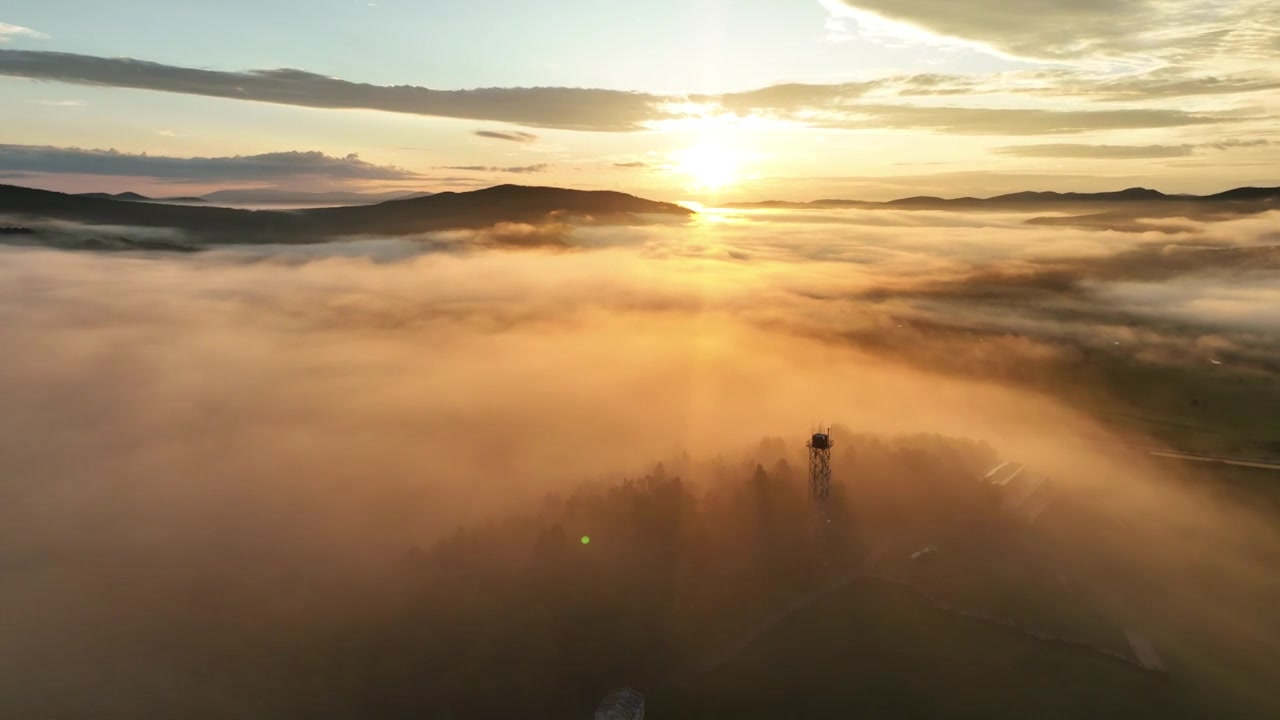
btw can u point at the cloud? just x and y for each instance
(1170, 82)
(855, 105)
(9, 32)
(514, 136)
(1104, 152)
(846, 106)
(563, 108)
(837, 31)
(1123, 152)
(1084, 29)
(519, 170)
(59, 103)
(293, 164)
(861, 105)
(790, 96)
(1232, 144)
(1161, 83)
(1012, 121)
(636, 164)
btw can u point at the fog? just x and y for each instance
(253, 437)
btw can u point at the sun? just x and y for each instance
(709, 165)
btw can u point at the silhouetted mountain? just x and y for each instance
(259, 196)
(135, 197)
(917, 200)
(1130, 194)
(1032, 200)
(116, 196)
(1249, 194)
(442, 211)
(256, 196)
(480, 208)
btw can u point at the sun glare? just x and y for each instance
(709, 166)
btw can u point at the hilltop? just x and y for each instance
(137, 197)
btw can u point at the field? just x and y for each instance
(953, 634)
(1209, 409)
(879, 650)
(1178, 598)
(1005, 577)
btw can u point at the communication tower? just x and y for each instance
(820, 468)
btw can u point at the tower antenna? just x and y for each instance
(820, 469)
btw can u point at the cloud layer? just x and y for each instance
(511, 136)
(844, 105)
(565, 108)
(9, 32)
(231, 452)
(268, 166)
(1124, 152)
(1014, 121)
(1082, 29)
(518, 169)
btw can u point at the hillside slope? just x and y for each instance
(443, 211)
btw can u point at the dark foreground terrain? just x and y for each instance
(441, 211)
(519, 617)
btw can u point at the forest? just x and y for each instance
(631, 583)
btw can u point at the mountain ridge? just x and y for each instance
(440, 211)
(263, 196)
(137, 197)
(1031, 198)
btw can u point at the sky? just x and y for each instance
(707, 100)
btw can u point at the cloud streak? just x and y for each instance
(1123, 152)
(59, 103)
(1074, 29)
(9, 32)
(513, 136)
(1014, 121)
(852, 105)
(518, 170)
(563, 108)
(267, 166)
(1101, 152)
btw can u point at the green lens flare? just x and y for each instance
(586, 539)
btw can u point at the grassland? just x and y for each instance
(1204, 409)
(877, 650)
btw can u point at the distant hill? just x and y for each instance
(135, 197)
(1136, 194)
(1248, 194)
(254, 196)
(1028, 200)
(261, 196)
(442, 211)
